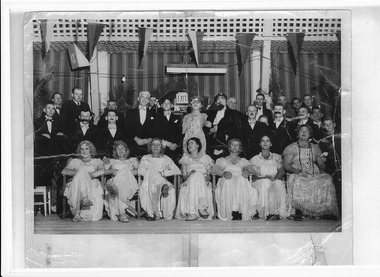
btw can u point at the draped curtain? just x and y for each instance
(151, 74)
(56, 72)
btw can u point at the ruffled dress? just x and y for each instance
(315, 194)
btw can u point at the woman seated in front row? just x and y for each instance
(85, 193)
(310, 190)
(123, 185)
(235, 197)
(154, 168)
(268, 173)
(195, 197)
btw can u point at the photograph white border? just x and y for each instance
(17, 131)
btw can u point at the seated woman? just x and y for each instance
(310, 190)
(154, 168)
(269, 171)
(85, 193)
(123, 185)
(195, 197)
(236, 199)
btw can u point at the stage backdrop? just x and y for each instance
(315, 71)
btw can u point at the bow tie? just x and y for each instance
(49, 119)
(112, 127)
(142, 108)
(57, 108)
(167, 113)
(258, 108)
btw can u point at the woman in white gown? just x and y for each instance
(154, 168)
(195, 197)
(123, 185)
(85, 193)
(236, 199)
(268, 173)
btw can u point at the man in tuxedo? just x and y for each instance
(296, 105)
(110, 133)
(48, 145)
(281, 130)
(71, 110)
(48, 133)
(261, 107)
(251, 130)
(57, 100)
(308, 102)
(169, 129)
(317, 118)
(111, 105)
(84, 129)
(304, 118)
(221, 125)
(140, 125)
(289, 112)
(232, 104)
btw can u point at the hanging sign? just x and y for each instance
(182, 98)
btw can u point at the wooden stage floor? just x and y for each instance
(52, 224)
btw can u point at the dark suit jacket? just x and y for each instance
(228, 128)
(47, 146)
(133, 128)
(103, 122)
(282, 136)
(106, 140)
(170, 130)
(250, 137)
(267, 112)
(69, 115)
(77, 136)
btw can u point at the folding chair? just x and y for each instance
(46, 198)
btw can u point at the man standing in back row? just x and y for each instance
(71, 110)
(139, 125)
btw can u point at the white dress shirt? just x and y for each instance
(142, 111)
(112, 128)
(219, 116)
(84, 127)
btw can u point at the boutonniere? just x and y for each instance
(176, 121)
(152, 118)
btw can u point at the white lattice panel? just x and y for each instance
(174, 26)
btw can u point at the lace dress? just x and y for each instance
(272, 194)
(235, 194)
(315, 194)
(196, 192)
(192, 126)
(150, 191)
(124, 182)
(82, 186)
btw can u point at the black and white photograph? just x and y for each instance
(182, 138)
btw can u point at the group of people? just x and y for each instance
(268, 165)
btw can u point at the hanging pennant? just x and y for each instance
(338, 36)
(295, 41)
(46, 27)
(144, 37)
(196, 40)
(243, 49)
(93, 33)
(77, 59)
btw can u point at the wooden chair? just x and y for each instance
(214, 182)
(64, 199)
